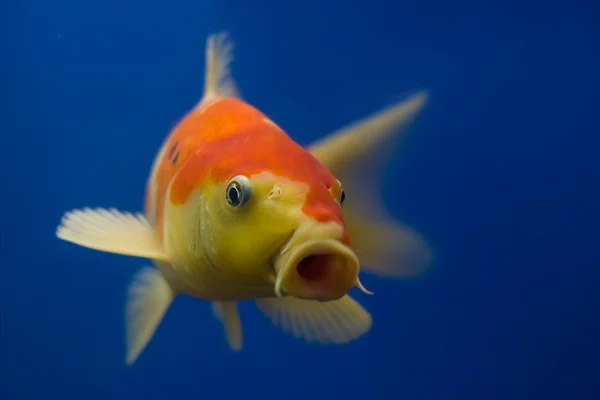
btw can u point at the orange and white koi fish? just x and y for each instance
(236, 210)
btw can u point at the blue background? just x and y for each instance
(500, 172)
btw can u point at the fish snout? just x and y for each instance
(322, 269)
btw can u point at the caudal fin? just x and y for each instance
(357, 156)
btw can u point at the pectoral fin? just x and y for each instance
(148, 299)
(339, 321)
(112, 231)
(226, 312)
(357, 156)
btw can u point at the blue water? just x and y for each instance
(500, 173)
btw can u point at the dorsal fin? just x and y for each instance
(218, 81)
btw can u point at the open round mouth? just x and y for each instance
(313, 268)
(326, 275)
(317, 270)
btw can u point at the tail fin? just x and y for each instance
(356, 156)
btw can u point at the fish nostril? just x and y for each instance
(275, 193)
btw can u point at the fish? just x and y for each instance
(236, 210)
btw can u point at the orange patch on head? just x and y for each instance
(211, 122)
(231, 137)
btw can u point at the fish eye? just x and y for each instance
(342, 197)
(238, 191)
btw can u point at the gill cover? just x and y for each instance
(248, 219)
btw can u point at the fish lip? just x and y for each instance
(281, 250)
(341, 263)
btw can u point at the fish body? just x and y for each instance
(236, 210)
(219, 139)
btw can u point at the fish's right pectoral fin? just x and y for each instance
(148, 298)
(338, 321)
(112, 231)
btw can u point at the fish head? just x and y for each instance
(276, 216)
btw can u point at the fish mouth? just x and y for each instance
(322, 270)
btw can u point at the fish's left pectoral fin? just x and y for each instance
(148, 299)
(226, 312)
(338, 321)
(112, 231)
